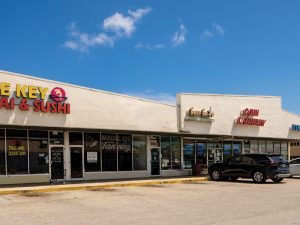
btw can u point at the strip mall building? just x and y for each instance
(56, 131)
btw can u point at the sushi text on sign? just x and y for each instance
(39, 98)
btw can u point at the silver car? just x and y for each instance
(295, 166)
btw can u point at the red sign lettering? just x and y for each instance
(246, 118)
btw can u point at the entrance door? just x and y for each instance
(214, 155)
(76, 162)
(57, 163)
(155, 162)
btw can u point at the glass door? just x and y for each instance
(155, 162)
(57, 163)
(214, 152)
(214, 155)
(76, 162)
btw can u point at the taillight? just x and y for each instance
(273, 164)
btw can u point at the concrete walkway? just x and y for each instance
(99, 184)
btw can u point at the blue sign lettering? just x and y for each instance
(295, 127)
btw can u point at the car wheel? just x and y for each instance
(259, 176)
(216, 175)
(277, 180)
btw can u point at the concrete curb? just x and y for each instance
(75, 187)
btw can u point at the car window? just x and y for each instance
(236, 159)
(277, 158)
(296, 161)
(247, 159)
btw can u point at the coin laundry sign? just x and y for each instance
(26, 96)
(246, 118)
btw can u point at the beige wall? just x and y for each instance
(93, 109)
(24, 179)
(227, 108)
(295, 151)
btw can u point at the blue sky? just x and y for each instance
(155, 49)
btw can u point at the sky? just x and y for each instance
(155, 49)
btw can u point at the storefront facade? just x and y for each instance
(52, 131)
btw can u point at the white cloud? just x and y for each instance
(216, 29)
(124, 25)
(207, 34)
(180, 36)
(71, 44)
(151, 95)
(219, 29)
(149, 46)
(139, 13)
(83, 41)
(119, 24)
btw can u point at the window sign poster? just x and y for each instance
(189, 148)
(92, 157)
(200, 149)
(109, 142)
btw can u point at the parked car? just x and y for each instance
(295, 166)
(259, 167)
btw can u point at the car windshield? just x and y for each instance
(277, 158)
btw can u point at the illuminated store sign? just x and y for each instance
(200, 115)
(295, 127)
(246, 118)
(25, 96)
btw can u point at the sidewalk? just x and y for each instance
(98, 184)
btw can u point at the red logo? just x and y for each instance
(58, 94)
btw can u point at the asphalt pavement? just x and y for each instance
(235, 203)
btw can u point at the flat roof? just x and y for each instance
(228, 95)
(86, 88)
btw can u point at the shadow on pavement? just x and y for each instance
(249, 181)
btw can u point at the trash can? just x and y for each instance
(196, 169)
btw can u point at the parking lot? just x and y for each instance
(240, 203)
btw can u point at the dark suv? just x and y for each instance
(259, 167)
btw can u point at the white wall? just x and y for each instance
(92, 109)
(96, 109)
(227, 108)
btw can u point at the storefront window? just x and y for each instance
(38, 152)
(284, 149)
(139, 152)
(109, 152)
(92, 159)
(246, 147)
(236, 148)
(76, 138)
(125, 152)
(188, 153)
(165, 153)
(154, 141)
(176, 152)
(57, 138)
(2, 152)
(277, 147)
(262, 147)
(201, 153)
(253, 147)
(269, 145)
(227, 149)
(17, 151)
